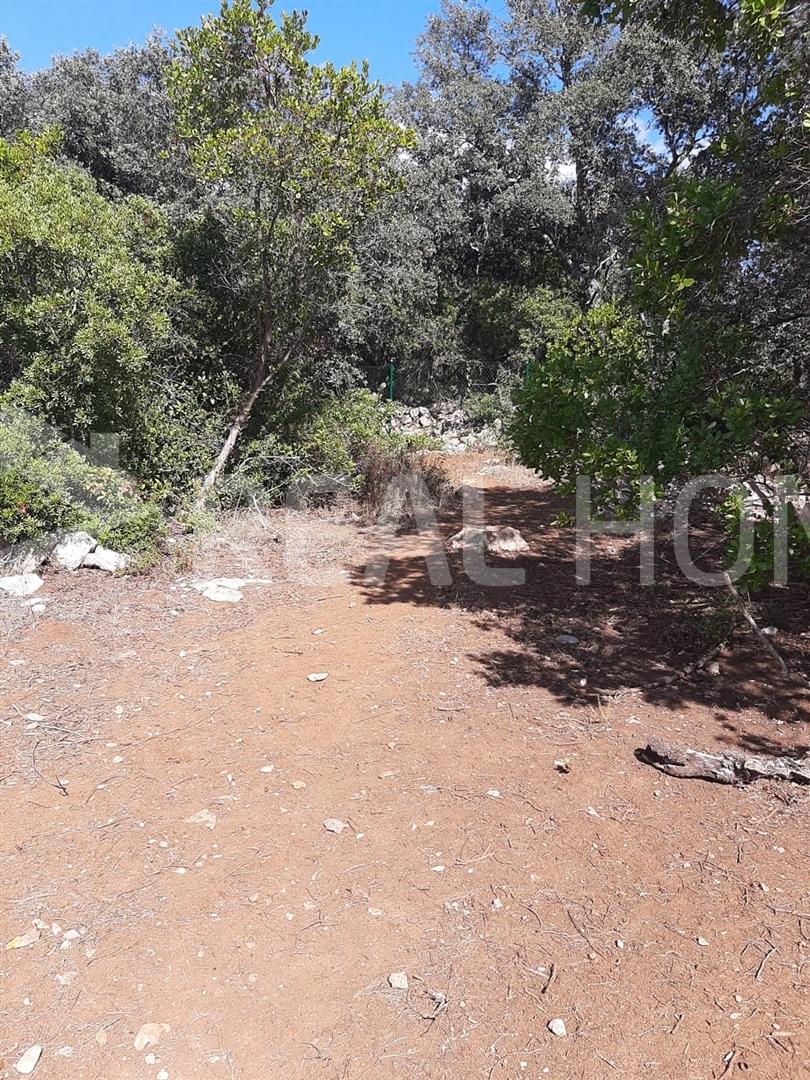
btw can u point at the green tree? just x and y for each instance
(85, 300)
(297, 155)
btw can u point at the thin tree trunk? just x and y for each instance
(239, 421)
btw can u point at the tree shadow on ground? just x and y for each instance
(629, 636)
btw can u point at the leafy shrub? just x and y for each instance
(47, 486)
(28, 512)
(136, 530)
(582, 405)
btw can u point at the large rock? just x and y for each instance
(489, 539)
(73, 549)
(21, 584)
(104, 559)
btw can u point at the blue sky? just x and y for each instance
(381, 31)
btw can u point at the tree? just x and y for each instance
(298, 154)
(85, 298)
(114, 115)
(13, 91)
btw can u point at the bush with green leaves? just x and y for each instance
(581, 408)
(48, 486)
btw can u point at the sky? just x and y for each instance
(381, 31)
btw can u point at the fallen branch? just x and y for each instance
(724, 767)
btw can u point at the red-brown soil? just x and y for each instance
(666, 921)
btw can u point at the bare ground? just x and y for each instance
(666, 922)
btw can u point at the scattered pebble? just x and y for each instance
(299, 785)
(203, 817)
(23, 941)
(267, 768)
(398, 980)
(557, 1027)
(29, 1061)
(702, 941)
(563, 765)
(566, 639)
(318, 676)
(335, 825)
(148, 1035)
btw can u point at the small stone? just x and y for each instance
(298, 785)
(318, 676)
(494, 793)
(23, 941)
(334, 825)
(563, 765)
(557, 1027)
(104, 559)
(398, 980)
(163, 1075)
(566, 639)
(221, 594)
(149, 1059)
(21, 585)
(203, 817)
(148, 1035)
(267, 768)
(101, 1037)
(375, 912)
(29, 1061)
(703, 942)
(497, 904)
(713, 668)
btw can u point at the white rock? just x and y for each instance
(504, 540)
(489, 539)
(335, 825)
(398, 980)
(104, 559)
(29, 1061)
(566, 639)
(203, 817)
(557, 1027)
(318, 676)
(21, 584)
(221, 594)
(72, 549)
(148, 1035)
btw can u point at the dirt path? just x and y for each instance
(667, 923)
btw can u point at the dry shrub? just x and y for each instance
(383, 466)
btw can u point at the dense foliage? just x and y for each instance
(208, 244)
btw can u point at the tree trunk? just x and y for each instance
(239, 421)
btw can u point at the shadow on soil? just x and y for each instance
(629, 635)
